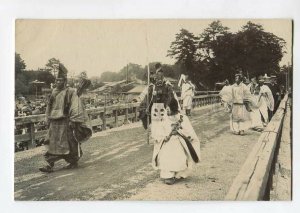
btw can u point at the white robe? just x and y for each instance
(240, 117)
(265, 102)
(173, 158)
(226, 97)
(267, 96)
(187, 94)
(255, 116)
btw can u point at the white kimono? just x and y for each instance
(187, 94)
(255, 116)
(240, 117)
(266, 102)
(226, 97)
(172, 158)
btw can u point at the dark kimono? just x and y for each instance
(64, 108)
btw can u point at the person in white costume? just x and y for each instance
(187, 94)
(225, 95)
(177, 147)
(239, 99)
(256, 121)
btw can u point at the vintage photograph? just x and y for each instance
(153, 109)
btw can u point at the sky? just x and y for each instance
(96, 46)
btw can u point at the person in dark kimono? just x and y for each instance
(159, 91)
(68, 124)
(275, 89)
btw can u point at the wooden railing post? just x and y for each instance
(90, 117)
(135, 114)
(126, 115)
(103, 120)
(116, 117)
(32, 134)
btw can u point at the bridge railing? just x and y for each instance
(101, 118)
(254, 179)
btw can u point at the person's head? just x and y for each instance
(157, 67)
(60, 83)
(253, 80)
(61, 79)
(273, 79)
(268, 81)
(159, 74)
(238, 78)
(226, 82)
(246, 81)
(261, 81)
(152, 77)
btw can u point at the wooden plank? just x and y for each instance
(40, 134)
(96, 122)
(239, 185)
(23, 137)
(26, 137)
(282, 186)
(276, 121)
(252, 181)
(29, 119)
(259, 179)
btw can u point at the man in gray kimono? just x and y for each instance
(68, 124)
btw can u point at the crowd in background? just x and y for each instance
(251, 103)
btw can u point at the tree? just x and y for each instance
(258, 52)
(214, 54)
(209, 39)
(109, 76)
(131, 71)
(45, 76)
(51, 65)
(183, 49)
(19, 64)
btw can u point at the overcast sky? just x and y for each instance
(97, 46)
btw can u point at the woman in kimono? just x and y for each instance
(176, 147)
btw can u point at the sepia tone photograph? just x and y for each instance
(153, 110)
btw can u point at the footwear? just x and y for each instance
(47, 169)
(242, 132)
(71, 166)
(236, 133)
(169, 181)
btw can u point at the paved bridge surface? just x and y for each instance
(116, 166)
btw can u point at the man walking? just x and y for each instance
(68, 124)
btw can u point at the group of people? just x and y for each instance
(251, 103)
(25, 107)
(176, 145)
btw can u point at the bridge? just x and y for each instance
(116, 162)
